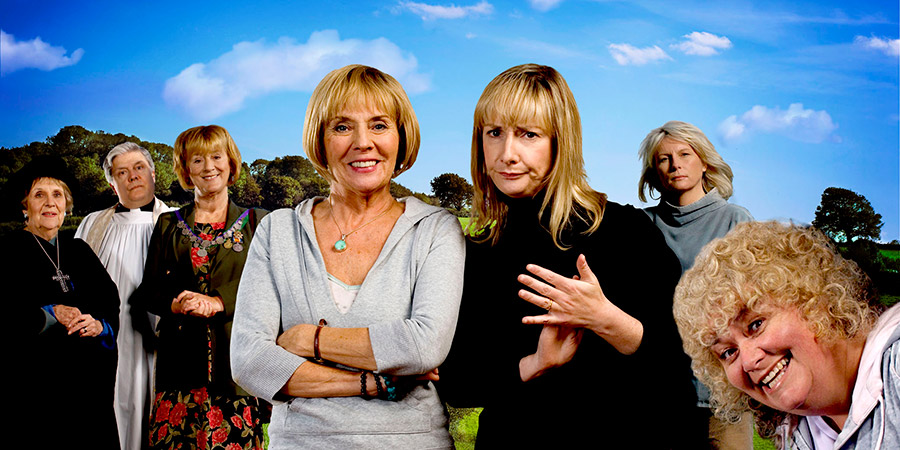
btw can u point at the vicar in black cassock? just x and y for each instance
(65, 314)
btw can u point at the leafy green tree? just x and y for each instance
(166, 181)
(279, 191)
(452, 190)
(300, 170)
(94, 191)
(399, 191)
(245, 191)
(846, 216)
(71, 140)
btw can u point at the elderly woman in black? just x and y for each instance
(194, 264)
(581, 360)
(65, 312)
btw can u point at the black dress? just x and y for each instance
(600, 399)
(63, 383)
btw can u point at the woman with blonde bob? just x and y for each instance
(694, 184)
(535, 223)
(194, 263)
(777, 323)
(350, 301)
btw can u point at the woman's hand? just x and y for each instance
(85, 326)
(556, 346)
(579, 302)
(65, 315)
(430, 376)
(296, 338)
(196, 304)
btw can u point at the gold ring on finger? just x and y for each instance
(549, 305)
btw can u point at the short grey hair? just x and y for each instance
(124, 148)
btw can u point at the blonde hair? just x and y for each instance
(70, 200)
(351, 85)
(717, 175)
(519, 94)
(204, 140)
(759, 265)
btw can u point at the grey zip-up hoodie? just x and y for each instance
(409, 301)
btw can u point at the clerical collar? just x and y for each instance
(146, 208)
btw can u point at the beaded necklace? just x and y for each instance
(230, 238)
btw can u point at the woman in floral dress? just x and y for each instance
(196, 257)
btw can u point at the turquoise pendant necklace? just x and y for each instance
(341, 244)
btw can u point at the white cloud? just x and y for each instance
(625, 54)
(544, 5)
(796, 123)
(33, 54)
(701, 43)
(253, 69)
(433, 12)
(890, 47)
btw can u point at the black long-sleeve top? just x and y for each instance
(62, 384)
(600, 399)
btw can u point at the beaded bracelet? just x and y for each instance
(362, 385)
(378, 386)
(392, 388)
(318, 356)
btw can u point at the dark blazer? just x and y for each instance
(182, 352)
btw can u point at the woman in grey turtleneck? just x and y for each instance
(693, 183)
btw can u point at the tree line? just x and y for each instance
(271, 184)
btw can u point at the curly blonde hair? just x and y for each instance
(758, 265)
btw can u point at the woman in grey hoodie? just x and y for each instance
(349, 302)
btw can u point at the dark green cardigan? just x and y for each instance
(182, 350)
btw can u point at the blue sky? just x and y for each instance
(797, 96)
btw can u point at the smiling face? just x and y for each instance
(133, 180)
(209, 171)
(775, 358)
(361, 146)
(680, 171)
(45, 206)
(517, 158)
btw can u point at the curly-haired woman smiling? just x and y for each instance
(779, 324)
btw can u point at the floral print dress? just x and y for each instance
(195, 419)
